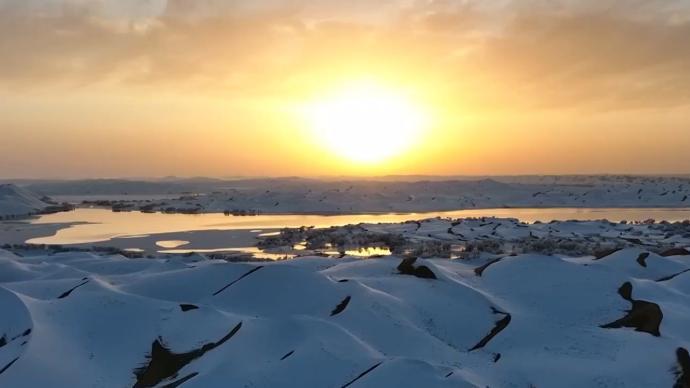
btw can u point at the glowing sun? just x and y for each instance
(366, 123)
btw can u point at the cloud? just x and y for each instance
(593, 55)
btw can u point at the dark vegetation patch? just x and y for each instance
(164, 364)
(188, 307)
(642, 259)
(287, 355)
(341, 307)
(500, 326)
(366, 372)
(683, 371)
(238, 279)
(407, 267)
(68, 292)
(643, 316)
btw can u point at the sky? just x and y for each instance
(131, 88)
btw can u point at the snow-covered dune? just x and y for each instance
(366, 196)
(81, 320)
(16, 201)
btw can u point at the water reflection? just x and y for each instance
(235, 251)
(95, 225)
(171, 244)
(368, 252)
(205, 233)
(300, 247)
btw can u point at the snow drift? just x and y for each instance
(82, 320)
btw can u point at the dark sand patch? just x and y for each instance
(500, 326)
(605, 253)
(24, 334)
(366, 372)
(4, 339)
(683, 373)
(188, 307)
(642, 259)
(237, 280)
(675, 252)
(181, 381)
(164, 364)
(6, 367)
(643, 316)
(341, 307)
(479, 271)
(68, 292)
(666, 278)
(407, 267)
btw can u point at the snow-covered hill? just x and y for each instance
(80, 320)
(16, 201)
(365, 196)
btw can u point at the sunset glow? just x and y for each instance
(366, 123)
(344, 193)
(255, 88)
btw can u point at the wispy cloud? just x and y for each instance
(603, 54)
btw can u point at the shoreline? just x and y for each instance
(142, 231)
(382, 213)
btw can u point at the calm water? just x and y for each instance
(97, 225)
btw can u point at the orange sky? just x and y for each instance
(149, 88)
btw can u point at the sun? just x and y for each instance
(366, 123)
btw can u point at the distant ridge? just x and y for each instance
(16, 202)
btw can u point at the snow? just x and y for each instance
(479, 237)
(424, 196)
(77, 319)
(352, 196)
(16, 201)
